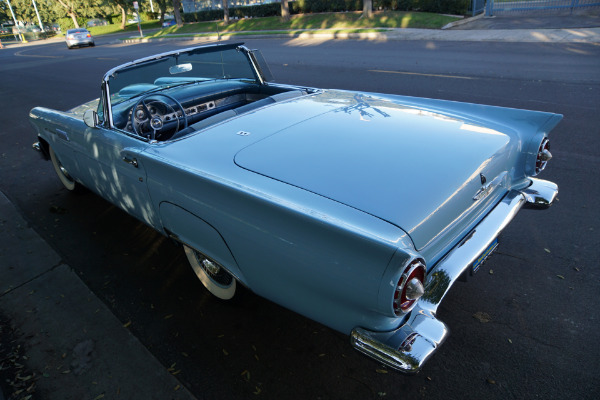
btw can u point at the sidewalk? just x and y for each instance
(57, 339)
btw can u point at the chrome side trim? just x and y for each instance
(410, 345)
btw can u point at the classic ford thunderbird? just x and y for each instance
(357, 210)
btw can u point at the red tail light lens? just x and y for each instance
(88, 35)
(410, 287)
(543, 156)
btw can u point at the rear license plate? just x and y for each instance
(483, 256)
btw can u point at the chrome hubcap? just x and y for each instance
(210, 267)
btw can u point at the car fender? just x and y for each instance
(193, 231)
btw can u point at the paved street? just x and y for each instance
(536, 291)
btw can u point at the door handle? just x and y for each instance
(131, 161)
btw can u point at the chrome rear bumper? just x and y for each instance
(409, 346)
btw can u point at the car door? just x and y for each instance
(111, 164)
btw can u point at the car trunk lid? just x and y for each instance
(419, 170)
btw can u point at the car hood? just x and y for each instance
(413, 167)
(79, 110)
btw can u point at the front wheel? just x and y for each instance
(212, 275)
(68, 182)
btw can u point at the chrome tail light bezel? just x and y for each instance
(410, 287)
(543, 156)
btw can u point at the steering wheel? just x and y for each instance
(142, 117)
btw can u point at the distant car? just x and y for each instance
(97, 22)
(358, 210)
(168, 23)
(133, 20)
(79, 37)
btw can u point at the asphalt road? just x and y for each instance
(526, 326)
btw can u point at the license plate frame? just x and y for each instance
(485, 254)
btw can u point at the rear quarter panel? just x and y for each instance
(307, 253)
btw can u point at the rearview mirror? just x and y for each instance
(180, 68)
(90, 117)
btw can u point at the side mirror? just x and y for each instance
(90, 117)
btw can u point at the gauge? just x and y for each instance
(140, 114)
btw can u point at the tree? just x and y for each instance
(285, 10)
(225, 12)
(123, 5)
(70, 9)
(367, 9)
(177, 12)
(162, 6)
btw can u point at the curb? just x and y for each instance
(462, 21)
(69, 340)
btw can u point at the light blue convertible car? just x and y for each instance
(357, 210)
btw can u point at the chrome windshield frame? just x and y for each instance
(108, 120)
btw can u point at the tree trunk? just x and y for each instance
(123, 17)
(71, 12)
(285, 10)
(74, 18)
(225, 12)
(177, 13)
(367, 9)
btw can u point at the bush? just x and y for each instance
(263, 10)
(435, 6)
(67, 23)
(458, 7)
(318, 6)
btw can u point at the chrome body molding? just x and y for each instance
(410, 345)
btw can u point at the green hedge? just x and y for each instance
(457, 7)
(67, 23)
(263, 10)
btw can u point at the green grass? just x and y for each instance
(116, 28)
(348, 22)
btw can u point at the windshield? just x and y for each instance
(193, 65)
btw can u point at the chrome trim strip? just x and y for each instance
(253, 62)
(410, 345)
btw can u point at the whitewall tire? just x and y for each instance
(212, 275)
(68, 182)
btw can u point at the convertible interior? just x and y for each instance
(173, 113)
